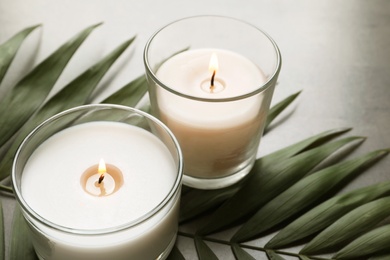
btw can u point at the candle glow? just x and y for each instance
(213, 65)
(101, 170)
(92, 179)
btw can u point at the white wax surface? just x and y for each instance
(51, 178)
(187, 71)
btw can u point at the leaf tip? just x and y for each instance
(129, 41)
(36, 26)
(381, 152)
(344, 129)
(96, 25)
(360, 139)
(298, 93)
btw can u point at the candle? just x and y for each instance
(119, 208)
(214, 95)
(215, 137)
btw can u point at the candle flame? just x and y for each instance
(101, 170)
(213, 65)
(102, 167)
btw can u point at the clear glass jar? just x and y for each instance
(218, 116)
(148, 234)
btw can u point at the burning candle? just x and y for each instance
(215, 137)
(214, 99)
(83, 210)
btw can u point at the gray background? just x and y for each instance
(337, 52)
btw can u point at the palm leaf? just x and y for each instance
(21, 246)
(302, 195)
(271, 181)
(278, 108)
(273, 256)
(240, 253)
(380, 257)
(195, 202)
(350, 226)
(377, 240)
(6, 188)
(75, 93)
(9, 49)
(327, 213)
(2, 248)
(204, 252)
(175, 254)
(302, 146)
(137, 87)
(32, 90)
(130, 94)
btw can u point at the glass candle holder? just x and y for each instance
(100, 182)
(211, 81)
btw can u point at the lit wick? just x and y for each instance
(92, 179)
(212, 81)
(213, 67)
(101, 170)
(101, 178)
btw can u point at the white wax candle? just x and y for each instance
(217, 138)
(51, 187)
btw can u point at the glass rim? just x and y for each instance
(169, 196)
(264, 86)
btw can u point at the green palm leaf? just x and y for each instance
(76, 93)
(137, 86)
(195, 202)
(240, 253)
(304, 145)
(2, 248)
(380, 257)
(136, 89)
(21, 245)
(302, 195)
(279, 108)
(204, 252)
(273, 256)
(32, 90)
(350, 226)
(377, 240)
(326, 213)
(9, 49)
(130, 94)
(175, 254)
(271, 181)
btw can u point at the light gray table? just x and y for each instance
(337, 52)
